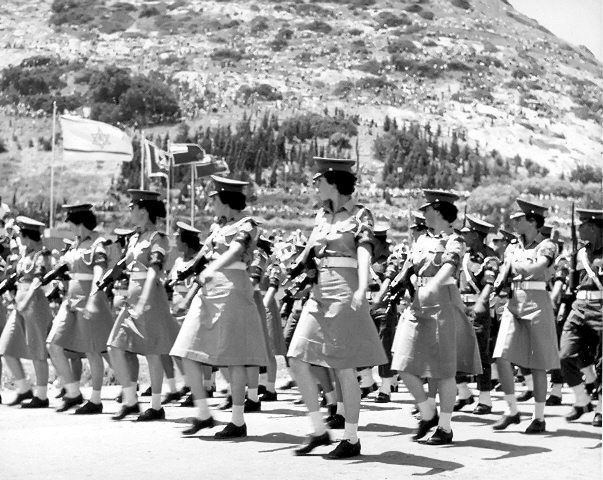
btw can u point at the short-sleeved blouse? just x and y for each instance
(430, 252)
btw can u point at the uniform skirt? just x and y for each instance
(154, 332)
(436, 340)
(223, 325)
(72, 331)
(24, 335)
(275, 329)
(329, 333)
(527, 335)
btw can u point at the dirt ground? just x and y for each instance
(43, 444)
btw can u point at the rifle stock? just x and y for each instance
(112, 275)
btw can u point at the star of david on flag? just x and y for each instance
(157, 161)
(85, 139)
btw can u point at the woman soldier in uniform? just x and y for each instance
(26, 329)
(434, 339)
(84, 320)
(527, 335)
(145, 325)
(223, 325)
(335, 329)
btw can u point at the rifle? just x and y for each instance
(112, 274)
(399, 286)
(195, 268)
(573, 277)
(9, 283)
(57, 272)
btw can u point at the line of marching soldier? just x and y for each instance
(435, 313)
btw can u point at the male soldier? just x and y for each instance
(479, 270)
(582, 329)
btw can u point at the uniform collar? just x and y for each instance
(349, 205)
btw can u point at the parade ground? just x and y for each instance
(42, 444)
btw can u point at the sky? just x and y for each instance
(579, 22)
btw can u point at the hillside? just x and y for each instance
(474, 67)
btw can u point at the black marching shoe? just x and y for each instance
(262, 389)
(20, 397)
(576, 412)
(36, 402)
(345, 449)
(250, 406)
(119, 397)
(365, 391)
(425, 426)
(89, 408)
(269, 396)
(553, 401)
(232, 431)
(209, 392)
(146, 393)
(482, 409)
(382, 398)
(597, 420)
(61, 393)
(461, 402)
(125, 411)
(150, 414)
(289, 385)
(69, 402)
(440, 437)
(199, 425)
(506, 420)
(536, 426)
(335, 422)
(313, 442)
(189, 401)
(226, 404)
(525, 396)
(171, 397)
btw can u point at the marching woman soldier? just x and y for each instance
(335, 329)
(223, 325)
(26, 329)
(434, 338)
(527, 335)
(84, 320)
(145, 325)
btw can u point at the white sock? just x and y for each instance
(485, 398)
(156, 401)
(444, 421)
(464, 392)
(529, 382)
(426, 409)
(318, 425)
(350, 432)
(589, 374)
(386, 386)
(252, 394)
(270, 387)
(538, 411)
(340, 409)
(22, 385)
(366, 378)
(73, 389)
(581, 397)
(598, 407)
(172, 385)
(203, 412)
(237, 415)
(432, 403)
(331, 397)
(494, 375)
(130, 397)
(95, 397)
(556, 389)
(511, 404)
(41, 392)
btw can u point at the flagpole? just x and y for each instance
(142, 159)
(192, 195)
(168, 201)
(54, 132)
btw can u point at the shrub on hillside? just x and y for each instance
(427, 15)
(221, 54)
(342, 88)
(149, 11)
(340, 141)
(388, 19)
(372, 66)
(263, 91)
(355, 32)
(413, 8)
(73, 12)
(464, 4)
(401, 45)
(373, 83)
(318, 26)
(259, 24)
(309, 125)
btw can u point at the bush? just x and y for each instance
(259, 24)
(343, 88)
(464, 4)
(372, 66)
(401, 45)
(390, 20)
(309, 125)
(373, 83)
(427, 15)
(226, 54)
(340, 141)
(355, 32)
(73, 12)
(263, 91)
(318, 26)
(149, 11)
(459, 66)
(3, 148)
(413, 8)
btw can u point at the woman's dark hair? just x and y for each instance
(34, 235)
(156, 209)
(345, 182)
(86, 218)
(235, 200)
(190, 239)
(534, 217)
(448, 211)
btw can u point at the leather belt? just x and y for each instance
(120, 292)
(469, 297)
(81, 276)
(235, 266)
(589, 295)
(422, 281)
(338, 262)
(528, 285)
(138, 275)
